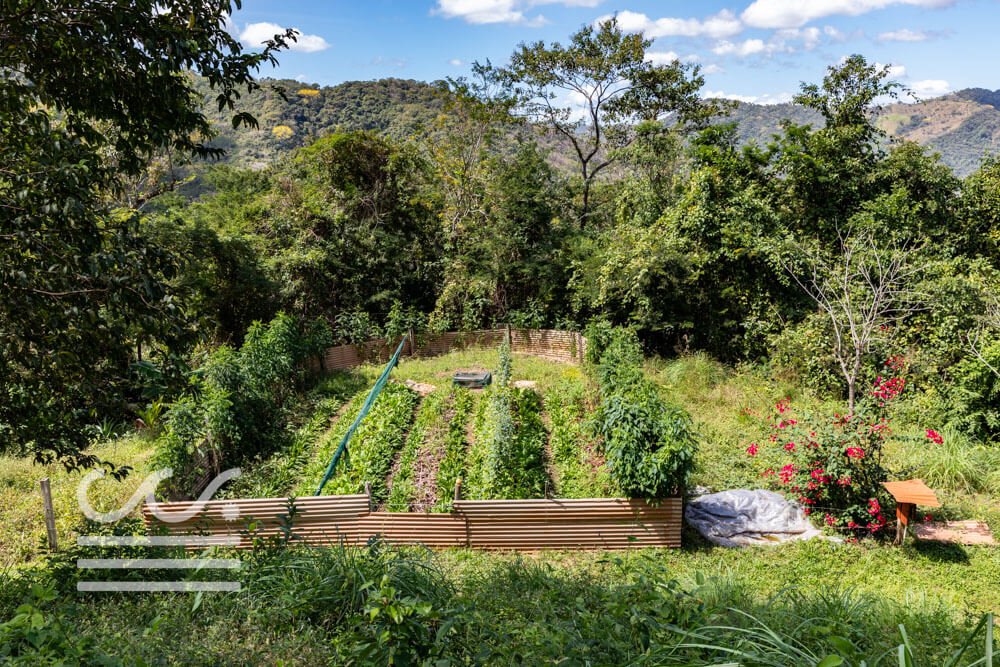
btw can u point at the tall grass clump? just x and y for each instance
(957, 463)
(649, 444)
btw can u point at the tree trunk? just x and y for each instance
(851, 391)
(586, 204)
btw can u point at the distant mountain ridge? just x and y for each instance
(963, 126)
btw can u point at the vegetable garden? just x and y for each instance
(444, 447)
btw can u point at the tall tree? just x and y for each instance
(595, 90)
(90, 91)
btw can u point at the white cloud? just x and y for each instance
(501, 11)
(904, 35)
(767, 98)
(662, 57)
(712, 68)
(718, 26)
(786, 40)
(667, 57)
(301, 78)
(455, 62)
(930, 88)
(749, 47)
(796, 13)
(254, 35)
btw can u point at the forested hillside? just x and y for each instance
(291, 114)
(963, 127)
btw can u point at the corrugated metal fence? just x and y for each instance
(566, 346)
(527, 525)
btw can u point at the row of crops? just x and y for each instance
(502, 442)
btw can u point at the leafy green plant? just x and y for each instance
(421, 437)
(508, 460)
(36, 636)
(239, 403)
(579, 468)
(151, 415)
(649, 445)
(375, 444)
(456, 443)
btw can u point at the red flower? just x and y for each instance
(873, 507)
(855, 453)
(830, 520)
(928, 517)
(752, 449)
(790, 447)
(787, 473)
(934, 436)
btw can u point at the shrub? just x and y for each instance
(833, 466)
(238, 405)
(649, 445)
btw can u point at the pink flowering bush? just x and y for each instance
(833, 466)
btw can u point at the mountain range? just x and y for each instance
(962, 127)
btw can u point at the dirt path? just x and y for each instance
(425, 468)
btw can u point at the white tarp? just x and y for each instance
(743, 517)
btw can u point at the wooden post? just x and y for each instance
(458, 489)
(510, 340)
(50, 513)
(904, 512)
(412, 337)
(368, 492)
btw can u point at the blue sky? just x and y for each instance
(757, 50)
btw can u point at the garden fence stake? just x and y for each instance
(50, 513)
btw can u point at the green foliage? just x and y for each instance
(99, 90)
(832, 466)
(374, 446)
(452, 464)
(957, 463)
(238, 406)
(608, 68)
(276, 475)
(579, 469)
(508, 460)
(649, 445)
(422, 436)
(35, 636)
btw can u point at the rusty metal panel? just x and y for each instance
(432, 530)
(912, 491)
(589, 523)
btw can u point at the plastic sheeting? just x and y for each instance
(746, 517)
